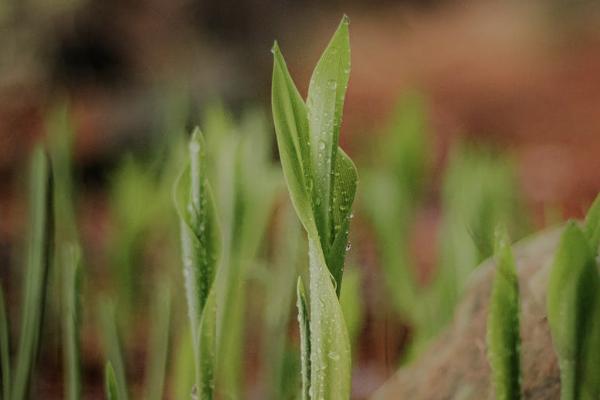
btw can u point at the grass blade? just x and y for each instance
(341, 211)
(503, 336)
(112, 347)
(304, 323)
(591, 226)
(34, 288)
(201, 248)
(4, 349)
(159, 344)
(71, 320)
(110, 383)
(571, 296)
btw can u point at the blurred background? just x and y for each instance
(460, 115)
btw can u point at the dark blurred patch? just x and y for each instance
(90, 50)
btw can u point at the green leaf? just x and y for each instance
(291, 127)
(325, 103)
(4, 349)
(112, 347)
(110, 383)
(304, 324)
(206, 344)
(253, 185)
(343, 197)
(201, 246)
(200, 236)
(330, 363)
(34, 286)
(71, 256)
(183, 375)
(321, 181)
(503, 336)
(591, 226)
(571, 296)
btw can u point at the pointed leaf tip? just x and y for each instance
(275, 48)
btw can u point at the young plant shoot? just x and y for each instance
(35, 279)
(321, 181)
(503, 337)
(200, 240)
(573, 308)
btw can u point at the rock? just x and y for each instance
(455, 366)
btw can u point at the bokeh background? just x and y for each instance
(516, 81)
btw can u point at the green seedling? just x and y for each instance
(503, 336)
(201, 244)
(321, 181)
(573, 308)
(111, 387)
(115, 375)
(246, 195)
(35, 279)
(4, 349)
(71, 320)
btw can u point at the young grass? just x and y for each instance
(4, 349)
(71, 256)
(321, 181)
(573, 307)
(503, 335)
(110, 383)
(246, 200)
(391, 191)
(115, 371)
(201, 246)
(34, 286)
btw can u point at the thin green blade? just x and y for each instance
(201, 247)
(110, 383)
(291, 127)
(4, 349)
(304, 328)
(71, 256)
(200, 236)
(572, 292)
(503, 337)
(341, 209)
(207, 345)
(34, 287)
(592, 224)
(112, 347)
